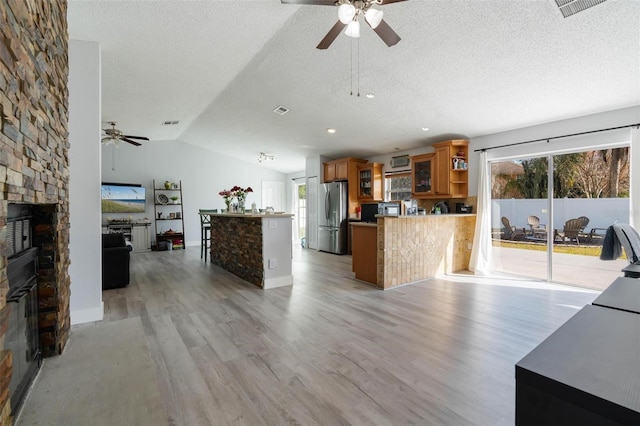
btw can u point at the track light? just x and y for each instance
(265, 157)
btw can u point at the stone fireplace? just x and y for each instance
(34, 161)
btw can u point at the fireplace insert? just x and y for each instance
(22, 337)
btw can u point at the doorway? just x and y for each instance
(300, 211)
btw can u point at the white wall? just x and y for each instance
(203, 174)
(84, 182)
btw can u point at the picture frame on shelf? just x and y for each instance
(172, 215)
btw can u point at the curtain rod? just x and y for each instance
(556, 137)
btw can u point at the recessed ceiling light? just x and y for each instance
(170, 122)
(424, 129)
(330, 130)
(370, 95)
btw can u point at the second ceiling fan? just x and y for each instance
(349, 12)
(114, 136)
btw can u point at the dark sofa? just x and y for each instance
(115, 261)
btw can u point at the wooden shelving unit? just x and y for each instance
(168, 216)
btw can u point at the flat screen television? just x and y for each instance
(123, 198)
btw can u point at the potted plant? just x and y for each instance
(174, 199)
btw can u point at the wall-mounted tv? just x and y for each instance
(123, 198)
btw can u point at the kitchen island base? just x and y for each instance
(256, 248)
(408, 249)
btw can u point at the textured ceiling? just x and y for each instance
(463, 68)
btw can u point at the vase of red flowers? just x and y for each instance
(241, 195)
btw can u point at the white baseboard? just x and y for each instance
(88, 315)
(278, 282)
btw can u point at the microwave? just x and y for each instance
(389, 209)
(370, 210)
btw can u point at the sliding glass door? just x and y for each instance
(550, 223)
(591, 192)
(519, 216)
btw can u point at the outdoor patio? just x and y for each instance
(572, 269)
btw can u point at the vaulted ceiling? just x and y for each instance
(463, 68)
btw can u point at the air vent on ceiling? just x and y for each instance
(280, 110)
(571, 7)
(170, 122)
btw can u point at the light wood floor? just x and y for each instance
(330, 350)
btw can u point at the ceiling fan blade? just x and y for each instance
(333, 33)
(312, 2)
(144, 138)
(390, 1)
(387, 35)
(122, 138)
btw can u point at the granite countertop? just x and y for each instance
(250, 216)
(427, 215)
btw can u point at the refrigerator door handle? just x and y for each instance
(327, 204)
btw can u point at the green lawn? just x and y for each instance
(583, 250)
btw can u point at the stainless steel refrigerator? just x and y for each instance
(332, 217)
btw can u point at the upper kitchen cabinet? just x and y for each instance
(370, 182)
(451, 167)
(337, 170)
(422, 175)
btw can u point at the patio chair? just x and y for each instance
(572, 230)
(535, 228)
(511, 232)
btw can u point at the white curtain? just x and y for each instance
(634, 152)
(481, 262)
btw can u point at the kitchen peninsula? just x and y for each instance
(404, 249)
(255, 247)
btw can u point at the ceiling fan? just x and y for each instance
(349, 12)
(114, 136)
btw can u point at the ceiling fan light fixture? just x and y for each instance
(373, 17)
(346, 12)
(111, 141)
(353, 29)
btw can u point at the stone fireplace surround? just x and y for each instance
(34, 159)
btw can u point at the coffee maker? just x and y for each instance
(462, 208)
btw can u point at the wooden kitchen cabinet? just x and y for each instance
(451, 167)
(337, 170)
(365, 251)
(329, 174)
(370, 182)
(442, 180)
(422, 175)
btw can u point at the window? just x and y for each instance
(397, 186)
